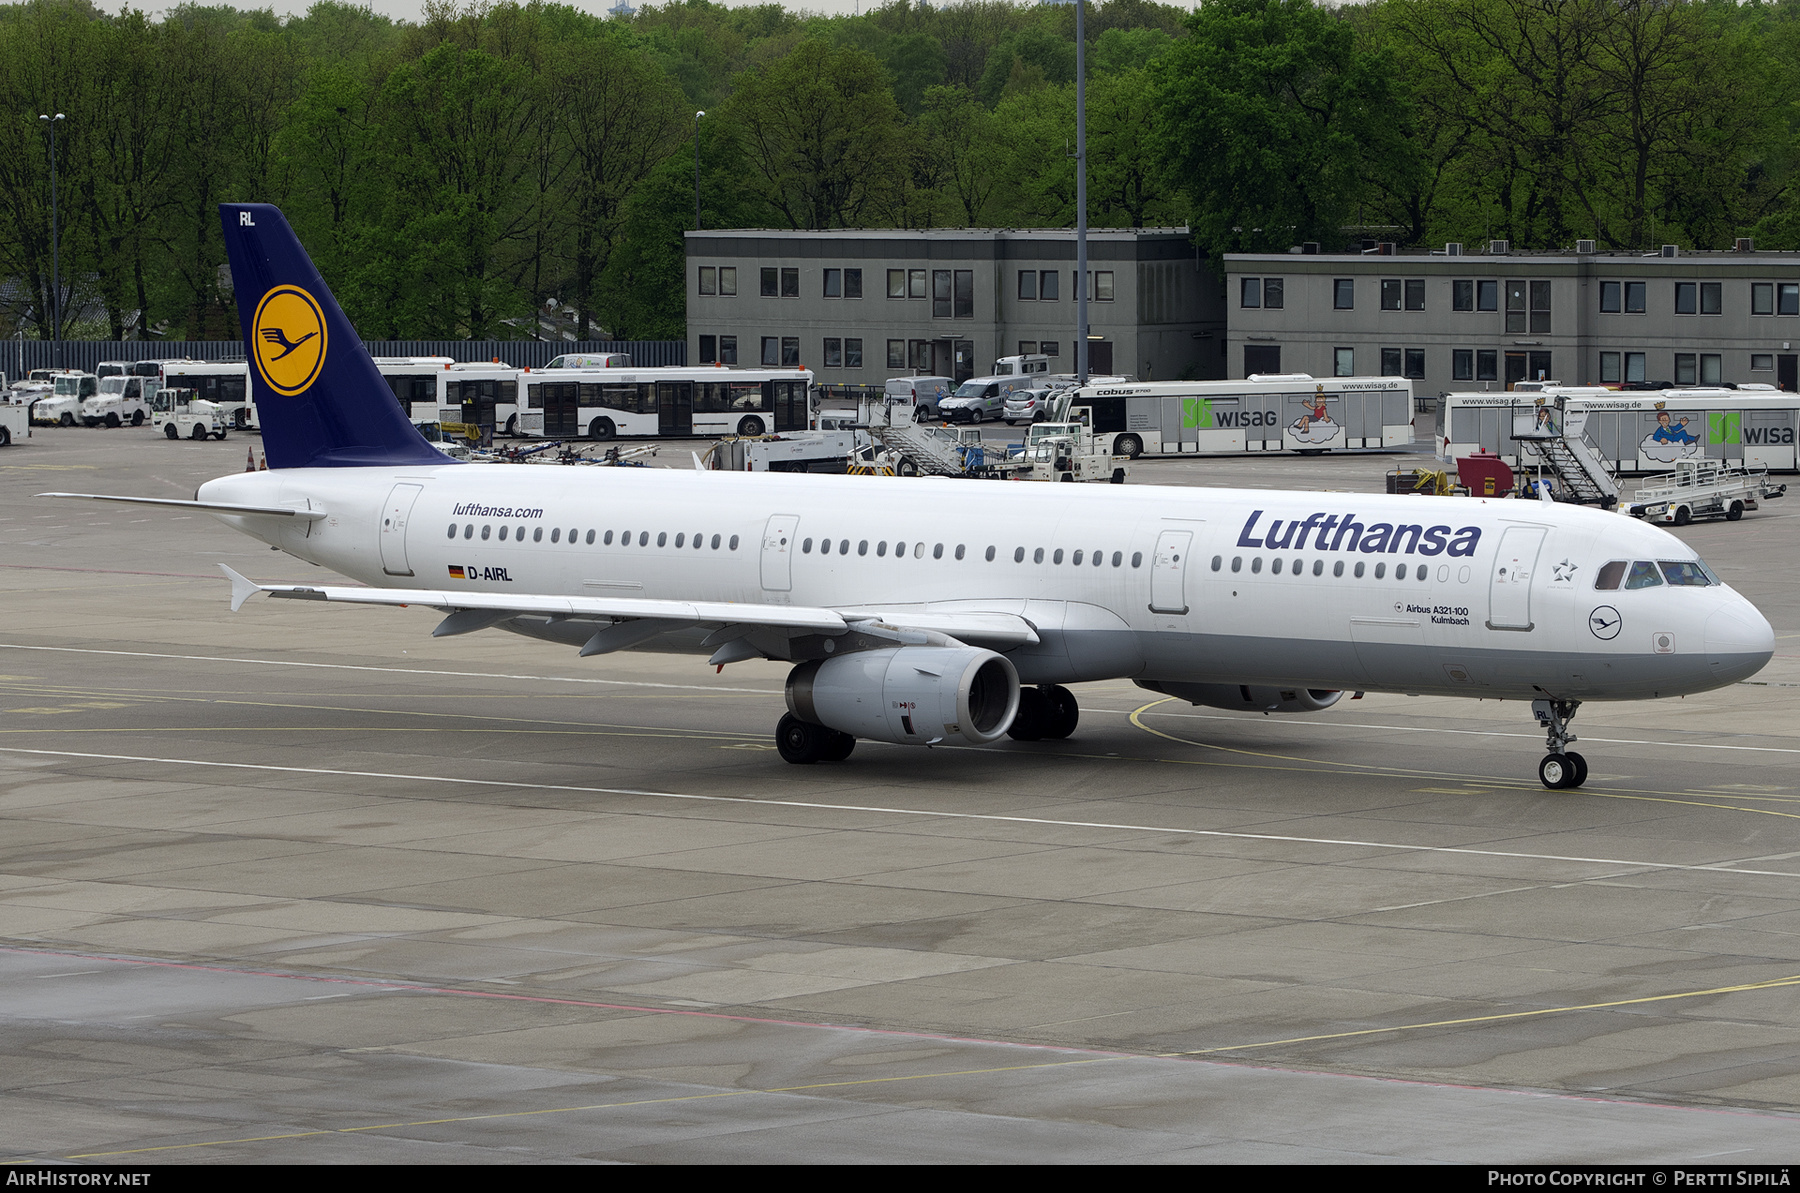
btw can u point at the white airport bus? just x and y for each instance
(1639, 431)
(480, 395)
(704, 400)
(1262, 413)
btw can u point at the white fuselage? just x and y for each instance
(1457, 596)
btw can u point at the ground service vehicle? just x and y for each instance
(674, 402)
(970, 629)
(926, 393)
(63, 406)
(1266, 412)
(15, 415)
(1634, 430)
(183, 414)
(225, 382)
(121, 400)
(1703, 489)
(982, 398)
(483, 398)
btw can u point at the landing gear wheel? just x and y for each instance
(838, 748)
(801, 742)
(1032, 721)
(1557, 771)
(1580, 765)
(1065, 713)
(170, 431)
(1735, 512)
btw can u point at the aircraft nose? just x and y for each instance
(1739, 642)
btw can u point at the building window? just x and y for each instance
(1635, 368)
(1762, 298)
(1415, 294)
(1609, 366)
(1487, 296)
(771, 281)
(1390, 362)
(1050, 348)
(920, 353)
(834, 283)
(1462, 362)
(965, 294)
(1609, 299)
(896, 283)
(1515, 307)
(1634, 297)
(1712, 298)
(1540, 308)
(709, 279)
(709, 350)
(728, 350)
(853, 353)
(1687, 298)
(1415, 363)
(1712, 368)
(728, 281)
(790, 352)
(1762, 362)
(1686, 368)
(1462, 296)
(1789, 294)
(1028, 347)
(1390, 294)
(1274, 293)
(790, 283)
(1487, 365)
(915, 283)
(1343, 294)
(771, 351)
(834, 352)
(853, 283)
(1028, 284)
(1632, 302)
(896, 354)
(1049, 286)
(1249, 292)
(940, 294)
(1343, 362)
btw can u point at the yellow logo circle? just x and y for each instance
(288, 337)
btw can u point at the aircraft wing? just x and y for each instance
(208, 507)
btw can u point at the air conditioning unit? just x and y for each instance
(1499, 248)
(1453, 249)
(1584, 247)
(1671, 250)
(1745, 245)
(1310, 248)
(1385, 249)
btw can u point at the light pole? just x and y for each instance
(1081, 245)
(697, 116)
(51, 122)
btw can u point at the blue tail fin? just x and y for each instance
(319, 399)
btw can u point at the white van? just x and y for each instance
(981, 398)
(925, 393)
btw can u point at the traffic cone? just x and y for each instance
(250, 460)
(264, 466)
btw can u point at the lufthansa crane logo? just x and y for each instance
(288, 339)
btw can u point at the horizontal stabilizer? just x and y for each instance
(205, 507)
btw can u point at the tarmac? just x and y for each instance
(305, 885)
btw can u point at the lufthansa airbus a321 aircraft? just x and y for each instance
(910, 620)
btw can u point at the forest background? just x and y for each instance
(496, 169)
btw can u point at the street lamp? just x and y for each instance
(51, 122)
(697, 116)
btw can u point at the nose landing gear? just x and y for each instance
(1561, 768)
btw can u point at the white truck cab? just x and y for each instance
(63, 406)
(15, 414)
(120, 400)
(1008, 366)
(183, 414)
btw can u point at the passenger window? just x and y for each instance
(519, 534)
(624, 538)
(937, 552)
(1360, 565)
(1610, 575)
(1019, 555)
(1298, 566)
(1318, 567)
(643, 538)
(1275, 566)
(899, 549)
(824, 546)
(990, 555)
(733, 543)
(662, 538)
(843, 545)
(469, 531)
(862, 548)
(1057, 558)
(1400, 572)
(1037, 556)
(1380, 570)
(1237, 563)
(881, 548)
(1255, 565)
(682, 538)
(1075, 559)
(537, 534)
(485, 531)
(556, 534)
(1137, 558)
(959, 550)
(919, 550)
(699, 541)
(590, 538)
(1218, 562)
(1643, 575)
(715, 542)
(805, 547)
(503, 534)
(452, 533)
(1337, 569)
(1685, 574)
(1118, 558)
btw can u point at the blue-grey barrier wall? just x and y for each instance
(21, 356)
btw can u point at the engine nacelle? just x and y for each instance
(1241, 696)
(909, 695)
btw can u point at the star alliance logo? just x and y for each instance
(1563, 571)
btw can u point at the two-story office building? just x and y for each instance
(858, 307)
(1456, 322)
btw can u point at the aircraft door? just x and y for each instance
(394, 517)
(1509, 584)
(1168, 572)
(778, 552)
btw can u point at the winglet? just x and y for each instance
(1544, 494)
(242, 588)
(698, 466)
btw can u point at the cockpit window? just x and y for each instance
(1687, 573)
(1643, 575)
(1610, 575)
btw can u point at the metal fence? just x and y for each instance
(21, 356)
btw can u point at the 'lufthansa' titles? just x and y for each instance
(1333, 532)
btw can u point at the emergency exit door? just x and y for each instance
(1168, 572)
(394, 517)
(1510, 582)
(778, 552)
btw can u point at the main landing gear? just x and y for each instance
(804, 742)
(1048, 710)
(1561, 767)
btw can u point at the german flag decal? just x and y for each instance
(456, 572)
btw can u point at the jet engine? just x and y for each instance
(1242, 696)
(909, 695)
